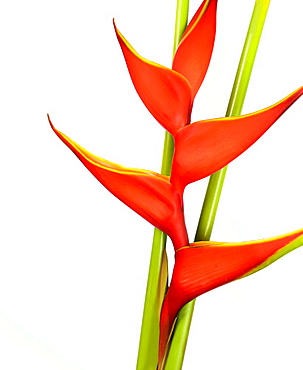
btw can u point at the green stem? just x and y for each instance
(180, 22)
(149, 338)
(212, 197)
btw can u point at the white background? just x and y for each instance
(73, 259)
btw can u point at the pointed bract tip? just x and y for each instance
(115, 26)
(50, 122)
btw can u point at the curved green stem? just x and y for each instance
(211, 202)
(149, 338)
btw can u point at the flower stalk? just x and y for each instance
(210, 206)
(149, 337)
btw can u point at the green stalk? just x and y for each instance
(179, 339)
(149, 338)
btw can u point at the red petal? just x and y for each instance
(204, 147)
(195, 50)
(149, 194)
(207, 265)
(165, 93)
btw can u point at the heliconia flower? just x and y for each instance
(203, 266)
(148, 193)
(204, 147)
(168, 93)
(201, 149)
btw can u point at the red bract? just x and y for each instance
(194, 52)
(149, 194)
(167, 94)
(204, 147)
(203, 266)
